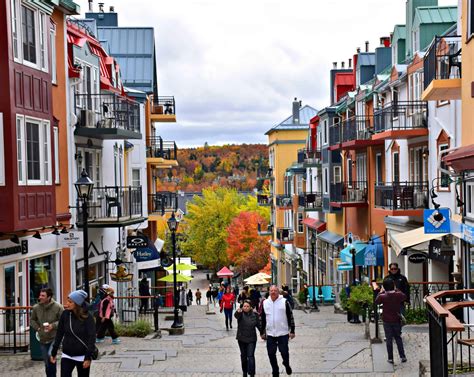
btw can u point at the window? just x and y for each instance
(418, 164)
(396, 167)
(326, 180)
(91, 162)
(350, 178)
(361, 167)
(300, 222)
(299, 184)
(470, 199)
(378, 168)
(56, 155)
(15, 35)
(136, 178)
(28, 34)
(325, 132)
(43, 42)
(415, 41)
(444, 179)
(33, 152)
(52, 43)
(337, 174)
(2, 153)
(20, 155)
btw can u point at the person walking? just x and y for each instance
(198, 297)
(401, 283)
(189, 297)
(182, 301)
(215, 293)
(227, 304)
(392, 298)
(76, 332)
(244, 295)
(106, 312)
(247, 322)
(209, 295)
(220, 294)
(278, 326)
(143, 290)
(44, 320)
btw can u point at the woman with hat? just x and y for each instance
(76, 331)
(106, 312)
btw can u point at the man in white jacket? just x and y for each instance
(278, 325)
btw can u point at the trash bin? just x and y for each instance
(169, 300)
(35, 348)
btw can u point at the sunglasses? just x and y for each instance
(394, 269)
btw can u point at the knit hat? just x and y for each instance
(78, 297)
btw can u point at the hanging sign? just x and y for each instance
(436, 220)
(436, 252)
(417, 258)
(370, 255)
(71, 239)
(134, 242)
(121, 275)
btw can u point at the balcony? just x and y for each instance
(357, 133)
(160, 153)
(107, 116)
(349, 194)
(401, 120)
(162, 109)
(310, 157)
(284, 201)
(264, 200)
(312, 201)
(335, 136)
(162, 202)
(442, 69)
(264, 232)
(114, 206)
(402, 198)
(285, 235)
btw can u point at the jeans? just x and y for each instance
(280, 342)
(394, 331)
(228, 317)
(68, 365)
(46, 353)
(247, 357)
(104, 326)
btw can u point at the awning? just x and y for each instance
(332, 238)
(461, 158)
(401, 241)
(315, 224)
(346, 255)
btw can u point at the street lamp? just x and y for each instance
(313, 259)
(173, 227)
(84, 187)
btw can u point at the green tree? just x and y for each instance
(251, 205)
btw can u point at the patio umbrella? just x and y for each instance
(258, 275)
(179, 278)
(224, 272)
(256, 280)
(182, 267)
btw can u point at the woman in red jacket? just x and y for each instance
(227, 304)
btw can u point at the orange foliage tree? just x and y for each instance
(248, 251)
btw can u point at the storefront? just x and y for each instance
(329, 246)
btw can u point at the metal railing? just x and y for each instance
(285, 234)
(309, 156)
(156, 147)
(264, 199)
(113, 204)
(14, 329)
(335, 134)
(163, 105)
(162, 201)
(105, 111)
(131, 309)
(349, 192)
(357, 128)
(396, 116)
(284, 200)
(401, 195)
(419, 290)
(443, 59)
(311, 200)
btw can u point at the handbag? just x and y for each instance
(95, 351)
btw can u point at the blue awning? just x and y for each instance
(346, 255)
(344, 267)
(332, 238)
(367, 254)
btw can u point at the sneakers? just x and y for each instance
(390, 361)
(404, 359)
(116, 341)
(99, 340)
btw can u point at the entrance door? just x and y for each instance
(10, 294)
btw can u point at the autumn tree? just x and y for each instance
(248, 251)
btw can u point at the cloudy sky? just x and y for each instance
(234, 67)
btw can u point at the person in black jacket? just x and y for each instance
(76, 331)
(400, 281)
(143, 290)
(247, 322)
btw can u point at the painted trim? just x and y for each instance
(281, 142)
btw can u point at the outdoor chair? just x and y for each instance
(313, 292)
(113, 201)
(327, 295)
(407, 197)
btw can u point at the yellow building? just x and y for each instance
(284, 141)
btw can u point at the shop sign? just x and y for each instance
(122, 275)
(417, 258)
(468, 233)
(134, 242)
(370, 255)
(17, 249)
(147, 253)
(437, 220)
(436, 252)
(71, 239)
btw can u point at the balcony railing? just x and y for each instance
(309, 156)
(284, 201)
(106, 112)
(163, 105)
(156, 147)
(162, 202)
(114, 204)
(357, 128)
(335, 134)
(311, 200)
(264, 199)
(443, 59)
(349, 192)
(401, 195)
(285, 234)
(401, 116)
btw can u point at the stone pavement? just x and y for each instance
(325, 344)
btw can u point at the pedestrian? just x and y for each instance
(189, 297)
(235, 291)
(255, 297)
(182, 301)
(247, 322)
(198, 297)
(215, 293)
(76, 333)
(220, 294)
(244, 295)
(44, 320)
(401, 283)
(144, 292)
(94, 305)
(106, 312)
(227, 304)
(278, 326)
(209, 295)
(392, 298)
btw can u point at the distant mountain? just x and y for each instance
(235, 166)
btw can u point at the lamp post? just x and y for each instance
(313, 263)
(84, 187)
(173, 227)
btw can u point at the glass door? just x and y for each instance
(10, 295)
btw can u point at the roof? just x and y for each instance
(134, 49)
(315, 224)
(399, 32)
(305, 114)
(366, 58)
(461, 158)
(332, 238)
(436, 15)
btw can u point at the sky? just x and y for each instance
(234, 67)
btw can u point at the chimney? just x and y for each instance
(112, 9)
(91, 8)
(101, 7)
(342, 65)
(385, 42)
(366, 46)
(296, 111)
(358, 50)
(350, 63)
(334, 65)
